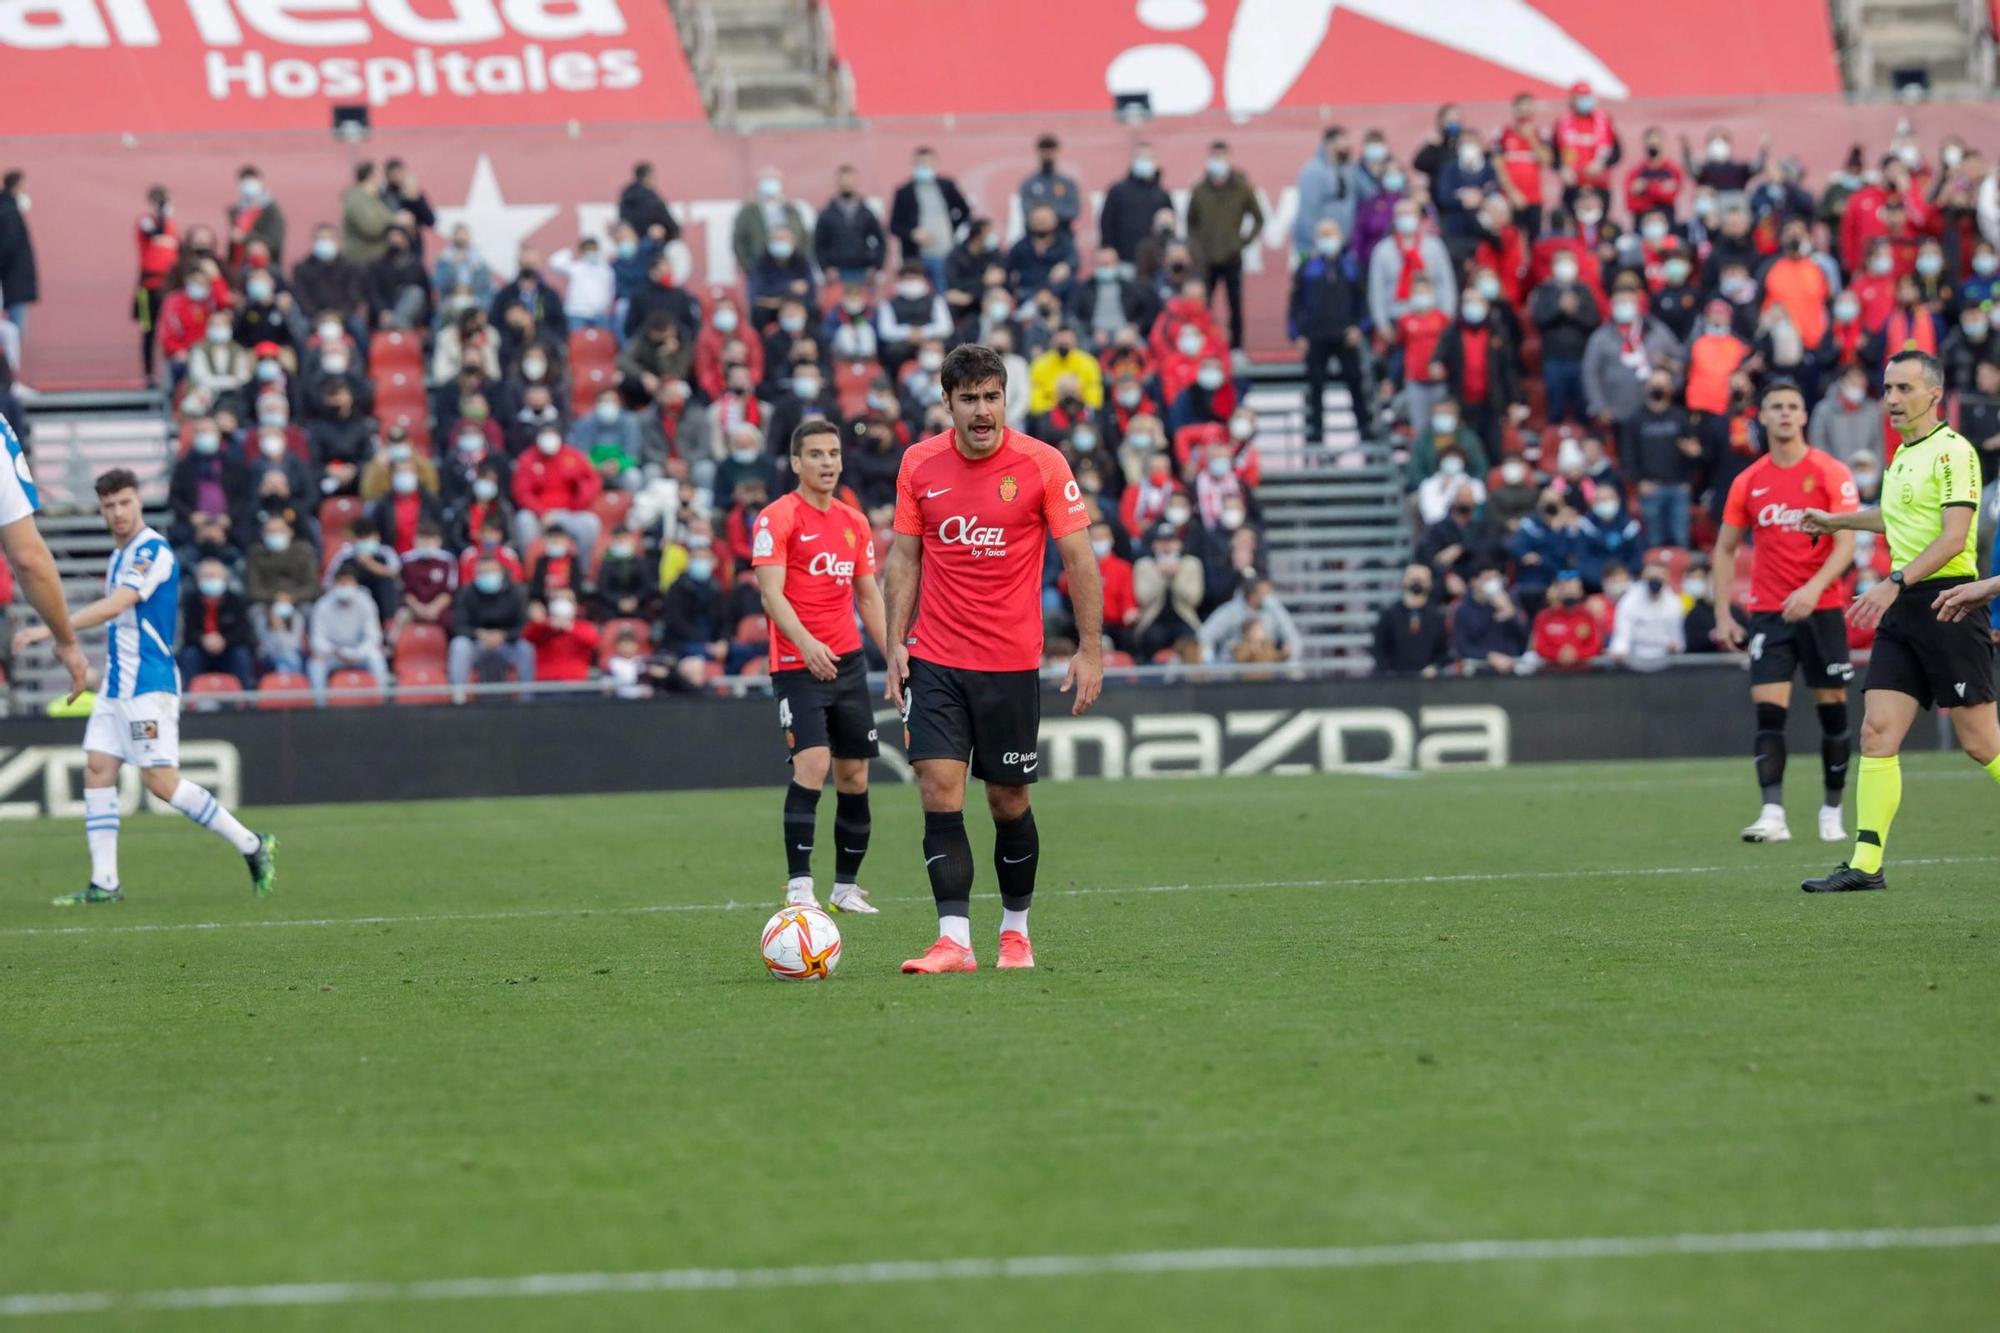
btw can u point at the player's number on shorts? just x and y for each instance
(1756, 647)
(785, 714)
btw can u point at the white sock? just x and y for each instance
(1774, 812)
(957, 929)
(100, 825)
(205, 810)
(799, 892)
(1012, 920)
(840, 884)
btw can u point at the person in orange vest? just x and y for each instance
(1713, 356)
(1796, 281)
(1912, 326)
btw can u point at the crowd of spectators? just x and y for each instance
(1563, 335)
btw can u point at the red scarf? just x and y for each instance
(1413, 264)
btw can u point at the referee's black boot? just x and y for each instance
(1846, 879)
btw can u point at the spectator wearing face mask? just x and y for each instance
(1547, 542)
(1375, 216)
(1585, 145)
(1784, 198)
(1655, 181)
(184, 318)
(254, 217)
(462, 279)
(1934, 286)
(1417, 334)
(1411, 637)
(1121, 605)
(281, 635)
(365, 217)
(565, 646)
(661, 294)
(1461, 543)
(1847, 422)
(396, 450)
(1698, 628)
(1566, 313)
(692, 613)
(760, 219)
(281, 563)
(1608, 534)
(374, 564)
(626, 585)
(1489, 630)
(327, 281)
(804, 395)
(430, 578)
(1982, 285)
(1168, 585)
(912, 314)
(1795, 281)
(1874, 289)
(848, 240)
(1454, 480)
(1566, 634)
(489, 539)
(1131, 205)
(712, 347)
(926, 214)
(1152, 495)
(1463, 184)
(1326, 313)
(1478, 363)
(609, 437)
(1913, 325)
(1223, 486)
(399, 291)
(1500, 262)
(1211, 398)
(527, 292)
(215, 627)
(1331, 187)
(284, 484)
(1512, 496)
(1253, 615)
(1223, 217)
(476, 445)
(1719, 168)
(1662, 458)
(346, 634)
(590, 288)
(401, 514)
(159, 243)
(206, 482)
(1713, 356)
(1064, 359)
(656, 359)
(1521, 152)
(1650, 627)
(779, 277)
(269, 322)
(1399, 260)
(554, 483)
(488, 618)
(1619, 356)
(966, 273)
(1109, 302)
(1044, 259)
(218, 365)
(562, 565)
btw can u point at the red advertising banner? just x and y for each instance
(974, 57)
(548, 186)
(149, 66)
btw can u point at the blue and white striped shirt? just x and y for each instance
(17, 486)
(140, 657)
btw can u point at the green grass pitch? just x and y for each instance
(523, 1037)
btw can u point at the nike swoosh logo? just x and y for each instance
(1760, 491)
(802, 846)
(860, 851)
(932, 495)
(1029, 768)
(1016, 860)
(939, 857)
(808, 536)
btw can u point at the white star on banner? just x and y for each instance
(499, 228)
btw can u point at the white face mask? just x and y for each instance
(485, 488)
(1564, 273)
(1406, 224)
(607, 413)
(549, 445)
(1218, 467)
(1654, 231)
(334, 365)
(725, 321)
(1452, 465)
(404, 483)
(1242, 428)
(1422, 301)
(260, 289)
(271, 446)
(1209, 378)
(1513, 472)
(1624, 312)
(1179, 514)
(1129, 396)
(1986, 265)
(781, 250)
(1605, 509)
(1471, 159)
(1101, 546)
(1846, 311)
(1718, 150)
(1191, 343)
(1218, 168)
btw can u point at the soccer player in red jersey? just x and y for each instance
(815, 563)
(975, 509)
(1797, 592)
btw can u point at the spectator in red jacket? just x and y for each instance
(1523, 153)
(565, 647)
(1418, 332)
(159, 251)
(1567, 636)
(1585, 144)
(554, 483)
(490, 540)
(1145, 501)
(726, 328)
(1655, 180)
(184, 317)
(1874, 286)
(1121, 605)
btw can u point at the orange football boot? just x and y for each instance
(1015, 951)
(947, 955)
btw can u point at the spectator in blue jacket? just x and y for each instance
(1463, 184)
(1043, 260)
(1546, 543)
(1610, 535)
(1328, 311)
(1489, 631)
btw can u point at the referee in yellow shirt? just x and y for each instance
(1926, 650)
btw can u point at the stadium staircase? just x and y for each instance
(1336, 531)
(75, 437)
(765, 64)
(1891, 46)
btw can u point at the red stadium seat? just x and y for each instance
(283, 680)
(214, 682)
(354, 679)
(586, 384)
(395, 351)
(1117, 658)
(415, 421)
(336, 515)
(591, 349)
(421, 683)
(420, 646)
(1675, 559)
(611, 629)
(753, 629)
(850, 385)
(612, 507)
(399, 391)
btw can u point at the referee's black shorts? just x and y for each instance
(1935, 663)
(1817, 645)
(992, 717)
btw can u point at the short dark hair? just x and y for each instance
(1781, 384)
(116, 480)
(363, 526)
(808, 428)
(1219, 146)
(363, 170)
(968, 364)
(247, 171)
(1932, 368)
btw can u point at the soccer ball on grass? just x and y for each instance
(801, 944)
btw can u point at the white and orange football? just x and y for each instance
(801, 944)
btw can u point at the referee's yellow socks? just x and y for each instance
(1876, 795)
(1993, 769)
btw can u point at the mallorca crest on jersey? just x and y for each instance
(1807, 485)
(848, 533)
(1009, 488)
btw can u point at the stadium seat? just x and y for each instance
(1118, 658)
(753, 629)
(395, 350)
(213, 682)
(612, 507)
(608, 637)
(420, 646)
(399, 391)
(354, 679)
(591, 348)
(586, 384)
(1674, 558)
(850, 384)
(336, 515)
(421, 683)
(413, 419)
(274, 681)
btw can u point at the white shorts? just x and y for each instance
(144, 732)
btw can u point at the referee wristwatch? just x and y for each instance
(1896, 577)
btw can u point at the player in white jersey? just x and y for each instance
(29, 555)
(137, 719)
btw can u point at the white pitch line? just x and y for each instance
(893, 1272)
(1381, 881)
